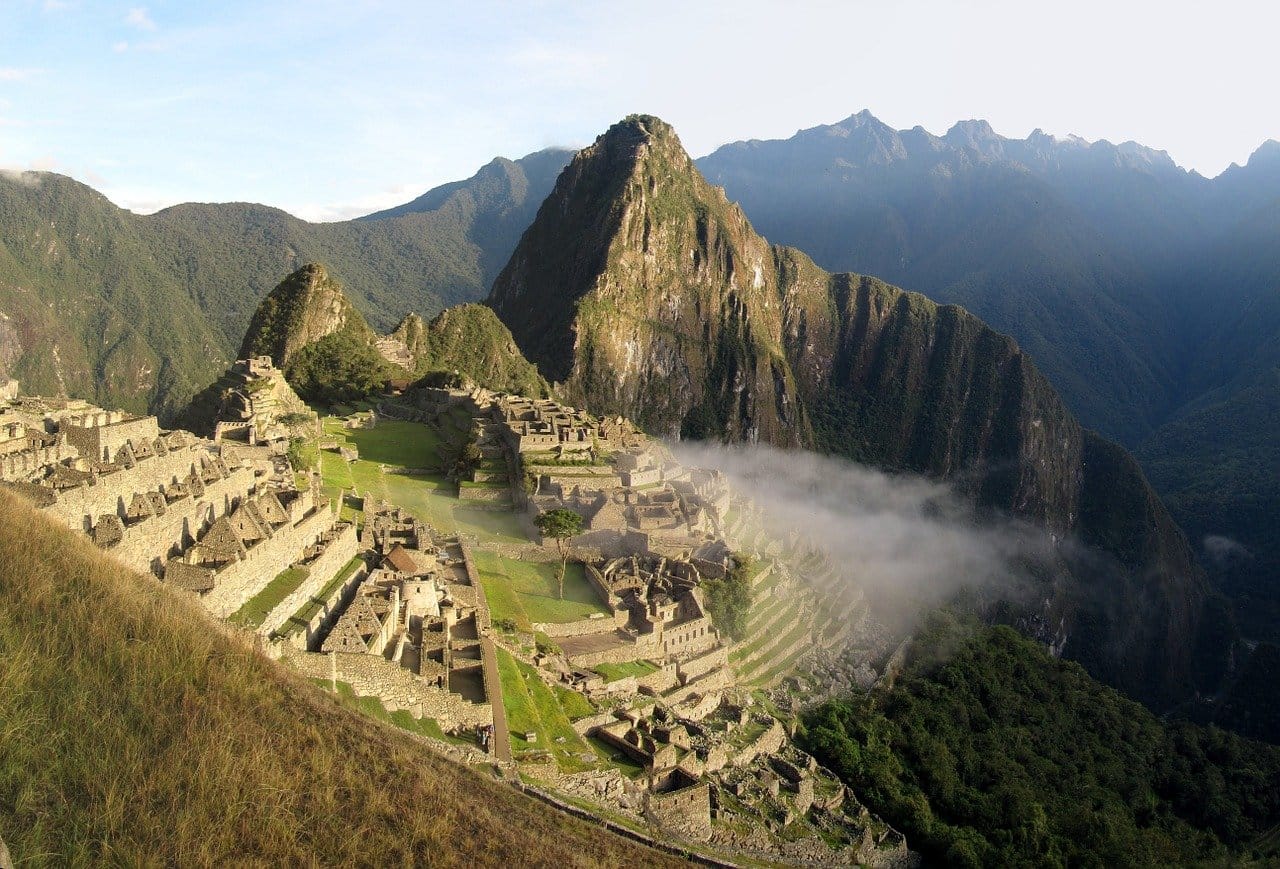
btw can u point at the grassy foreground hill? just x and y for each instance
(131, 732)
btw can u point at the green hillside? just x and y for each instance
(142, 311)
(135, 733)
(988, 752)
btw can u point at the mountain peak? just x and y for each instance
(1267, 153)
(974, 133)
(306, 306)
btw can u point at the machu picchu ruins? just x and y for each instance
(338, 571)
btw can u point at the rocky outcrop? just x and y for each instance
(303, 308)
(642, 291)
(467, 340)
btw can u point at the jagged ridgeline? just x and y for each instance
(640, 289)
(139, 311)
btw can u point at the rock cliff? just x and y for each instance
(303, 308)
(640, 289)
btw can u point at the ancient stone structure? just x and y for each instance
(258, 407)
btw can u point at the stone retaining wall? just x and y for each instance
(396, 687)
(80, 507)
(241, 580)
(583, 626)
(337, 554)
(145, 546)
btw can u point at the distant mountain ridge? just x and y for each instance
(141, 311)
(642, 290)
(1149, 295)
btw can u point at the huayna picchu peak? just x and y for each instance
(640, 289)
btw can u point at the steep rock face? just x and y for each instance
(643, 291)
(306, 306)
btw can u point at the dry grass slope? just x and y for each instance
(134, 732)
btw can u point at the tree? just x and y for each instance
(560, 524)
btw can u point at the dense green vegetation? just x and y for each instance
(144, 310)
(338, 368)
(729, 598)
(987, 752)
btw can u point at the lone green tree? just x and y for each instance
(560, 524)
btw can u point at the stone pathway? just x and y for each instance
(501, 733)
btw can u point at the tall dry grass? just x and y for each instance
(133, 731)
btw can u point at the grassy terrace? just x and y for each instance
(256, 608)
(533, 707)
(432, 497)
(299, 620)
(614, 672)
(526, 591)
(747, 666)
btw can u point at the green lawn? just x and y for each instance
(394, 442)
(526, 591)
(299, 620)
(614, 672)
(256, 608)
(573, 704)
(532, 706)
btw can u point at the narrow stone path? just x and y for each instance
(501, 733)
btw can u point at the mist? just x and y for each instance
(908, 543)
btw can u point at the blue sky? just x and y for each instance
(332, 109)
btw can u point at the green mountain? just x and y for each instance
(305, 307)
(985, 751)
(641, 290)
(471, 341)
(1149, 296)
(141, 311)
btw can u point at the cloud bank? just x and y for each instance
(908, 543)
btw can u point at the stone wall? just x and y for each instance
(765, 744)
(705, 663)
(715, 680)
(80, 507)
(396, 687)
(686, 812)
(646, 646)
(21, 465)
(691, 637)
(337, 553)
(145, 545)
(101, 442)
(662, 679)
(484, 494)
(320, 623)
(583, 626)
(241, 580)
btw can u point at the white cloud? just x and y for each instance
(139, 17)
(120, 47)
(14, 73)
(56, 5)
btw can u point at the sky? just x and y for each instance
(334, 109)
